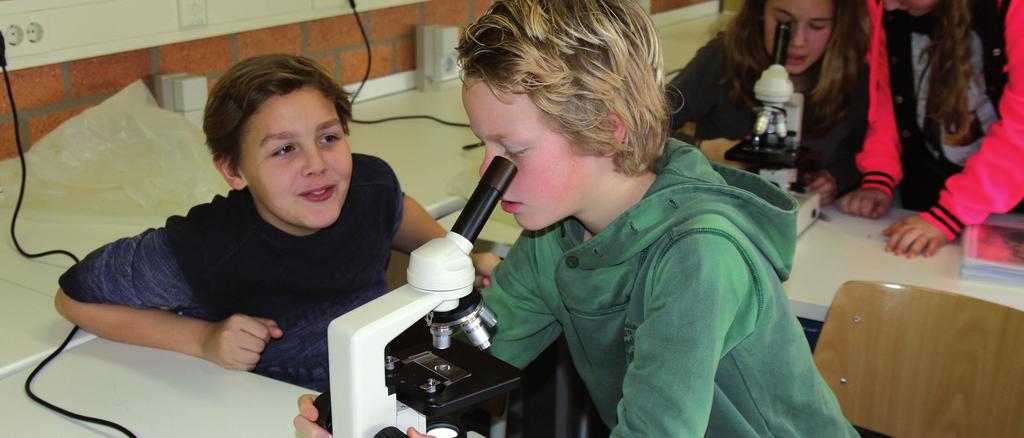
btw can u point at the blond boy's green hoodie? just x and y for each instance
(674, 314)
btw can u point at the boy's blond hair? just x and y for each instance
(580, 62)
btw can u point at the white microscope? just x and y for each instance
(775, 144)
(375, 393)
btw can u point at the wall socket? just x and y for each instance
(25, 34)
(436, 59)
(191, 13)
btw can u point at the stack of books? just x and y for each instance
(993, 253)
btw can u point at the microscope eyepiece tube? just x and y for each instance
(781, 44)
(481, 203)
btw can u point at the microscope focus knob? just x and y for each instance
(390, 432)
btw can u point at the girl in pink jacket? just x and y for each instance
(948, 81)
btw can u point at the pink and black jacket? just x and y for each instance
(992, 180)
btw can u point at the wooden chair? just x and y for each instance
(916, 362)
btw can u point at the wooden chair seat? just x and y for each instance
(916, 362)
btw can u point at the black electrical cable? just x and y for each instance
(366, 76)
(14, 239)
(369, 53)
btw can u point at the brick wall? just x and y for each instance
(48, 95)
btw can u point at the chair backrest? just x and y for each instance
(916, 362)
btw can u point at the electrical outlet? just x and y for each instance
(191, 13)
(24, 34)
(34, 32)
(14, 35)
(436, 59)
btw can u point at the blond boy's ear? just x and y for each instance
(618, 127)
(234, 178)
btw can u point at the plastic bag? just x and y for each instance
(125, 160)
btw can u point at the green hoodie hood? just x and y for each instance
(689, 186)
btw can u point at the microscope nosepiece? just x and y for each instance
(471, 317)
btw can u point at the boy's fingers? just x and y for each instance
(273, 329)
(253, 326)
(250, 342)
(306, 408)
(308, 428)
(247, 358)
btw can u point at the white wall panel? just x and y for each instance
(77, 29)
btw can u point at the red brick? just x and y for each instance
(333, 33)
(34, 87)
(353, 63)
(279, 39)
(667, 5)
(394, 22)
(405, 55)
(8, 149)
(330, 62)
(203, 56)
(480, 6)
(40, 125)
(107, 74)
(383, 61)
(446, 12)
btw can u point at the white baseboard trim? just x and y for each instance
(384, 85)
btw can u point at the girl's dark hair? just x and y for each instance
(834, 75)
(248, 84)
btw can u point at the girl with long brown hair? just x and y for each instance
(824, 61)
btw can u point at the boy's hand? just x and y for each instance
(305, 422)
(865, 201)
(237, 342)
(914, 236)
(822, 183)
(484, 262)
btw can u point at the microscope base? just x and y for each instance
(810, 205)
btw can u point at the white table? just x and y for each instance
(158, 393)
(32, 327)
(153, 393)
(840, 248)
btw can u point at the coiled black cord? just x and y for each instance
(14, 239)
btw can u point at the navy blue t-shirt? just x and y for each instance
(222, 258)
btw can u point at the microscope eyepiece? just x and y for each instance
(481, 203)
(781, 43)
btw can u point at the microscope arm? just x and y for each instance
(356, 367)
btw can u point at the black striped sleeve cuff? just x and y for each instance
(878, 180)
